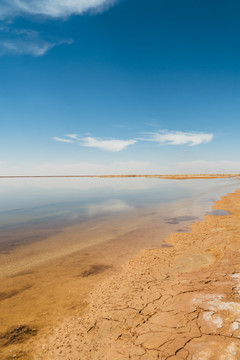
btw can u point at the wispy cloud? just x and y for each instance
(28, 42)
(62, 140)
(166, 137)
(20, 42)
(51, 8)
(73, 136)
(163, 137)
(113, 145)
(108, 145)
(113, 206)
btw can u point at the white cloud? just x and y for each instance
(19, 42)
(108, 145)
(165, 137)
(21, 47)
(50, 8)
(113, 206)
(62, 140)
(72, 136)
(113, 145)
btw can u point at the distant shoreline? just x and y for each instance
(174, 177)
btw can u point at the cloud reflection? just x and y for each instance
(108, 207)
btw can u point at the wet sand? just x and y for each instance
(179, 302)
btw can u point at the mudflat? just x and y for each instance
(179, 302)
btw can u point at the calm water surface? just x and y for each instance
(50, 204)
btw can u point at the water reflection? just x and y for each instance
(37, 207)
(108, 207)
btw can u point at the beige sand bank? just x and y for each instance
(176, 177)
(180, 302)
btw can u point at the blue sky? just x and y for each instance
(128, 86)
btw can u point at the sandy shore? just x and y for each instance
(179, 302)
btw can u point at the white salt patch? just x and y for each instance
(213, 304)
(217, 320)
(207, 315)
(213, 319)
(204, 297)
(230, 352)
(223, 305)
(202, 355)
(234, 326)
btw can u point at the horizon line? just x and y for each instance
(124, 175)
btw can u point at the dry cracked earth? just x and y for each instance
(178, 302)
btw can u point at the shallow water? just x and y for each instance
(46, 219)
(60, 237)
(32, 209)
